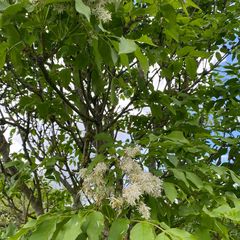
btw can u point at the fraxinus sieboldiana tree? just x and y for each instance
(126, 117)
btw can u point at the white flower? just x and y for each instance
(148, 183)
(100, 168)
(83, 172)
(116, 203)
(128, 165)
(144, 210)
(34, 1)
(103, 14)
(156, 187)
(131, 194)
(132, 152)
(98, 8)
(140, 182)
(100, 194)
(94, 186)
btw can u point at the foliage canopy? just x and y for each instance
(127, 115)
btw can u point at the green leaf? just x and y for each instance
(162, 236)
(190, 3)
(124, 60)
(56, 1)
(12, 163)
(11, 229)
(172, 31)
(14, 9)
(151, 10)
(97, 55)
(209, 188)
(94, 225)
(3, 48)
(170, 191)
(113, 96)
(127, 46)
(234, 177)
(44, 230)
(152, 137)
(221, 229)
(3, 5)
(105, 51)
(177, 136)
(200, 54)
(194, 179)
(180, 234)
(31, 223)
(146, 39)
(184, 6)
(188, 210)
(166, 101)
(224, 211)
(71, 229)
(185, 50)
(114, 56)
(142, 231)
(97, 82)
(15, 57)
(83, 9)
(24, 230)
(142, 60)
(191, 67)
(106, 137)
(173, 159)
(65, 77)
(203, 233)
(43, 109)
(218, 56)
(19, 234)
(219, 170)
(118, 229)
(180, 176)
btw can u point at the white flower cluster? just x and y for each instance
(144, 210)
(116, 203)
(94, 185)
(132, 193)
(138, 183)
(98, 8)
(132, 152)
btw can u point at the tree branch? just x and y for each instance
(58, 91)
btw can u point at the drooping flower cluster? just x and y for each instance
(98, 8)
(94, 186)
(144, 210)
(132, 193)
(138, 182)
(116, 203)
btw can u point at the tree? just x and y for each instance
(127, 113)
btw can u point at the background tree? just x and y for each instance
(127, 113)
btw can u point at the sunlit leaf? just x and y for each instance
(127, 46)
(142, 231)
(170, 191)
(118, 229)
(94, 225)
(146, 39)
(83, 9)
(44, 230)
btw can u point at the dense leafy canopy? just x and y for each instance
(126, 115)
